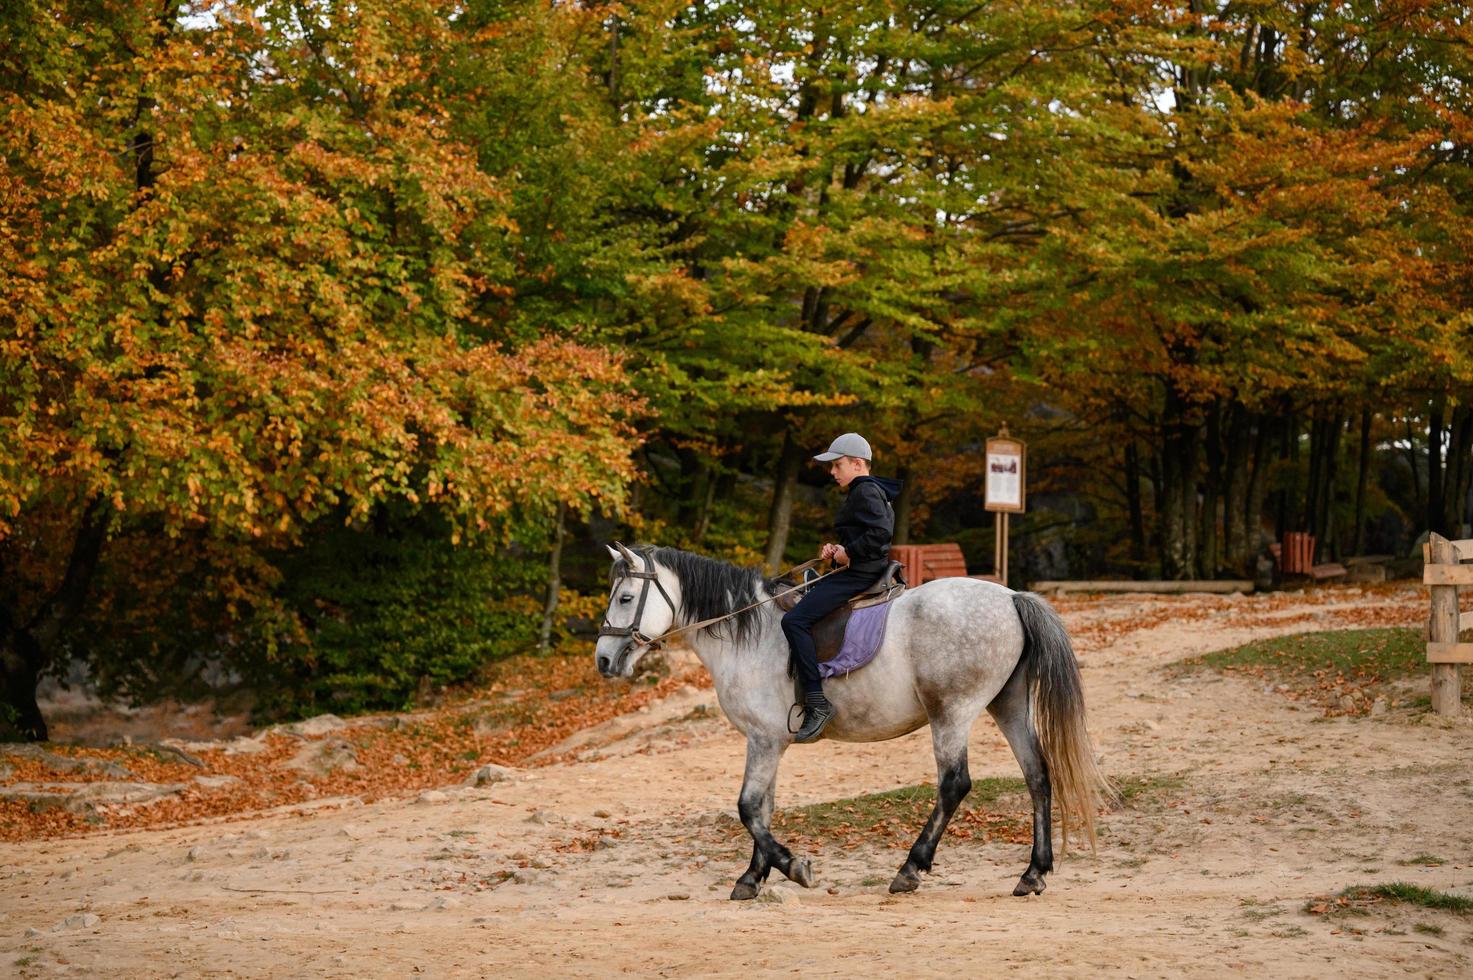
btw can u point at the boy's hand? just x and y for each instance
(840, 556)
(827, 551)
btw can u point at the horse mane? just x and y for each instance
(709, 588)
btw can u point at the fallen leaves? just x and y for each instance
(529, 704)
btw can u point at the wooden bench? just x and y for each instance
(925, 562)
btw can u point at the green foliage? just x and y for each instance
(391, 613)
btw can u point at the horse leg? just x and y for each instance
(953, 783)
(1010, 710)
(755, 806)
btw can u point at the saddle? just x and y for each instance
(828, 633)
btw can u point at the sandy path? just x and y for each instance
(1260, 805)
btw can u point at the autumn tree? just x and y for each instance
(243, 290)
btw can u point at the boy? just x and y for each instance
(863, 526)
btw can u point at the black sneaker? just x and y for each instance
(816, 714)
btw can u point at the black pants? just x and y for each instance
(823, 598)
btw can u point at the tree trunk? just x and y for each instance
(902, 506)
(708, 502)
(1209, 559)
(1436, 502)
(1133, 503)
(21, 662)
(1458, 473)
(554, 578)
(1235, 491)
(1362, 476)
(1288, 453)
(1323, 526)
(1179, 449)
(780, 514)
(1253, 509)
(1411, 453)
(26, 649)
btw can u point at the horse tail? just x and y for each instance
(1058, 716)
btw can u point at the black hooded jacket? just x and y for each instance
(866, 522)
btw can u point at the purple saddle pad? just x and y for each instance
(863, 635)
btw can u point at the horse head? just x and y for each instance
(637, 614)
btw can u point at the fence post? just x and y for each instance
(1447, 682)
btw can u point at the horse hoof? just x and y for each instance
(905, 881)
(743, 892)
(802, 873)
(1026, 887)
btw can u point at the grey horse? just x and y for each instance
(952, 647)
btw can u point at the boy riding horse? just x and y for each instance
(863, 526)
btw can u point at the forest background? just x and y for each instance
(336, 338)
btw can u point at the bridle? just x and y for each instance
(653, 643)
(632, 630)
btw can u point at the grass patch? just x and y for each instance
(1357, 900)
(1424, 860)
(1341, 670)
(1428, 928)
(1137, 791)
(1428, 898)
(1257, 911)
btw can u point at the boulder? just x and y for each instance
(489, 774)
(324, 757)
(315, 726)
(86, 797)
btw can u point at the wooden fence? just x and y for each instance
(1444, 650)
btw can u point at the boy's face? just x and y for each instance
(846, 468)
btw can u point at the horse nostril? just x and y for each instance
(603, 665)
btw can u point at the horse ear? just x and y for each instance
(627, 555)
(612, 553)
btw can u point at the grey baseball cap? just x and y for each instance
(849, 444)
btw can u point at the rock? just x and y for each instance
(216, 782)
(85, 798)
(602, 814)
(604, 843)
(32, 932)
(322, 758)
(313, 727)
(1378, 707)
(445, 902)
(82, 920)
(779, 895)
(173, 751)
(405, 906)
(351, 831)
(679, 896)
(63, 763)
(542, 817)
(489, 774)
(432, 796)
(526, 876)
(40, 797)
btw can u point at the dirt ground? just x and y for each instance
(1249, 808)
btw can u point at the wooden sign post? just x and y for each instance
(1006, 469)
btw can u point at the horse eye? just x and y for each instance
(625, 598)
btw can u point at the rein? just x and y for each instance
(633, 632)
